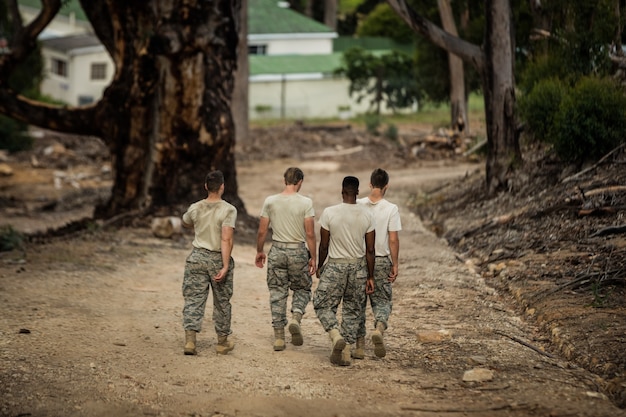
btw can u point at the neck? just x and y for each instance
(290, 189)
(213, 197)
(376, 195)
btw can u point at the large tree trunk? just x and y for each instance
(458, 99)
(499, 95)
(495, 64)
(240, 95)
(166, 115)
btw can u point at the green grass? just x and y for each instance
(437, 116)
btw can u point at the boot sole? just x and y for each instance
(223, 350)
(280, 347)
(335, 356)
(296, 334)
(190, 352)
(379, 345)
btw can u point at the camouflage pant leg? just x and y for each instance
(222, 293)
(339, 281)
(381, 299)
(287, 269)
(328, 295)
(300, 281)
(200, 267)
(352, 310)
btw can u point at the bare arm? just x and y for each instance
(394, 247)
(227, 249)
(264, 224)
(309, 228)
(370, 258)
(323, 248)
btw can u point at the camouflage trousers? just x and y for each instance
(341, 281)
(201, 266)
(288, 269)
(380, 300)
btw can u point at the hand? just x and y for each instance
(312, 268)
(259, 260)
(369, 286)
(393, 274)
(220, 275)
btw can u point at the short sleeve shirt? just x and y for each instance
(287, 214)
(347, 224)
(387, 219)
(208, 218)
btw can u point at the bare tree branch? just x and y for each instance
(99, 15)
(453, 44)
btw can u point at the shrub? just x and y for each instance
(539, 107)
(591, 120)
(13, 135)
(391, 132)
(10, 239)
(372, 122)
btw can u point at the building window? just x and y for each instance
(257, 49)
(98, 71)
(59, 67)
(84, 100)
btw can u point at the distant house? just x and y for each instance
(291, 58)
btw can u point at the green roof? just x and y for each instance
(294, 64)
(264, 17)
(267, 17)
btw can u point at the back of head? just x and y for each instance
(379, 178)
(293, 175)
(214, 181)
(350, 185)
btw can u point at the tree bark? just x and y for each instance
(166, 115)
(495, 64)
(330, 14)
(240, 95)
(458, 100)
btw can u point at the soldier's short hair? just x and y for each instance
(214, 181)
(350, 184)
(293, 175)
(379, 178)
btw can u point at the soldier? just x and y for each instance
(387, 219)
(209, 265)
(347, 237)
(291, 259)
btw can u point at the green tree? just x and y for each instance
(385, 79)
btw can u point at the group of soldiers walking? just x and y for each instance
(357, 260)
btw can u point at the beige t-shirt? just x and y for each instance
(208, 218)
(347, 224)
(287, 214)
(387, 219)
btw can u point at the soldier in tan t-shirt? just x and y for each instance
(209, 265)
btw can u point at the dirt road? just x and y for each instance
(92, 327)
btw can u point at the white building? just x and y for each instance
(291, 63)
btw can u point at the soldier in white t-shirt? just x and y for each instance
(347, 238)
(387, 219)
(291, 260)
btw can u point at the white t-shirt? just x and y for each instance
(387, 219)
(287, 214)
(208, 218)
(347, 224)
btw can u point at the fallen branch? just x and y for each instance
(604, 190)
(609, 231)
(594, 166)
(475, 147)
(596, 211)
(341, 152)
(496, 407)
(528, 345)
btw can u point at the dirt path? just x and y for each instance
(92, 327)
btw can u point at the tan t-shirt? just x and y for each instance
(208, 219)
(347, 224)
(287, 214)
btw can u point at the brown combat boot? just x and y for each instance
(279, 339)
(359, 349)
(294, 329)
(345, 356)
(224, 345)
(338, 344)
(377, 340)
(190, 342)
